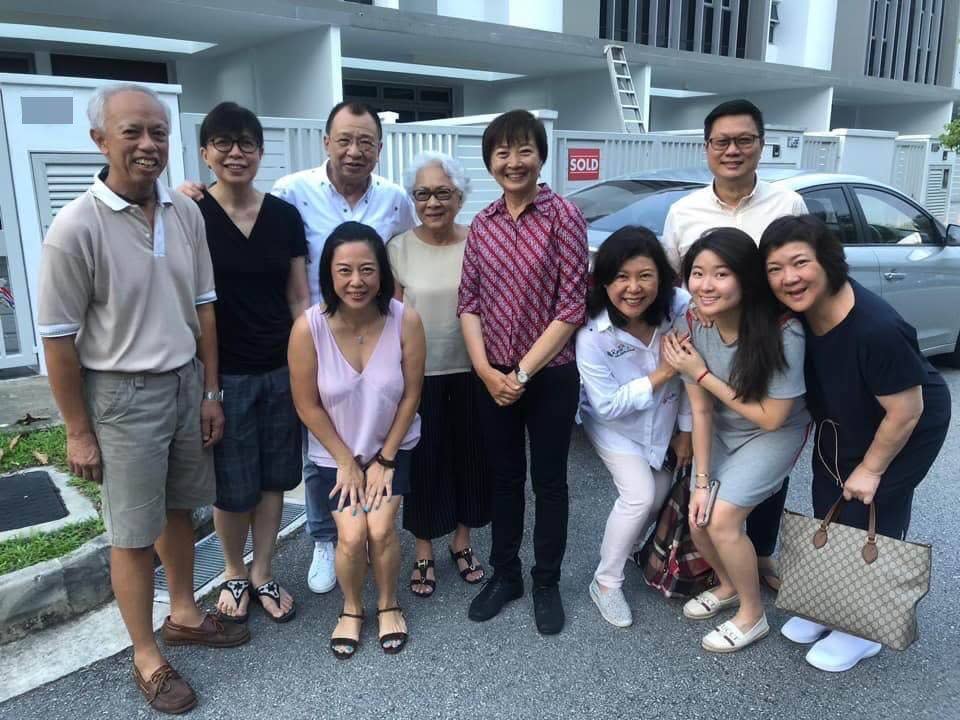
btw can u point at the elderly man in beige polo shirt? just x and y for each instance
(129, 335)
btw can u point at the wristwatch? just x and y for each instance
(213, 395)
(522, 377)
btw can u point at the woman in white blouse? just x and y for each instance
(631, 398)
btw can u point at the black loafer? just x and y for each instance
(495, 594)
(548, 609)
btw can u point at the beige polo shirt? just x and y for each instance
(128, 294)
(691, 216)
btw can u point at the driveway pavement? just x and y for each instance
(454, 668)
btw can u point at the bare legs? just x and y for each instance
(424, 551)
(724, 544)
(131, 574)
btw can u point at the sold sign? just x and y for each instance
(583, 163)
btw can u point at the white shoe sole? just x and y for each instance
(848, 666)
(615, 623)
(321, 590)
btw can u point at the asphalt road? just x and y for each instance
(454, 668)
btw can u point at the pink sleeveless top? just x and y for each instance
(360, 405)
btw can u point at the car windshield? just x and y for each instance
(617, 203)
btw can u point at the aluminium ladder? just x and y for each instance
(631, 114)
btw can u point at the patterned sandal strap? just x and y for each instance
(269, 589)
(236, 587)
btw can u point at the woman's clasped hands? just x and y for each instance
(680, 354)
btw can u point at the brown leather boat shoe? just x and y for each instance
(211, 633)
(166, 691)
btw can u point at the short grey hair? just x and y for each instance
(450, 165)
(96, 108)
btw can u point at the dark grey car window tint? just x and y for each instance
(893, 221)
(831, 206)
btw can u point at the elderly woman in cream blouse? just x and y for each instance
(450, 491)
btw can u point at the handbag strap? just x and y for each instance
(869, 552)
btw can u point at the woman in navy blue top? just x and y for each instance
(882, 410)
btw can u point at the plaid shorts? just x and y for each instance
(260, 449)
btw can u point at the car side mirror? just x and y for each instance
(953, 234)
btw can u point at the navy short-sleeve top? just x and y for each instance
(872, 352)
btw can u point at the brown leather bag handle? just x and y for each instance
(869, 552)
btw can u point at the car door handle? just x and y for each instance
(895, 275)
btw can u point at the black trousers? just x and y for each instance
(545, 412)
(763, 524)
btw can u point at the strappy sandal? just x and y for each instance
(270, 589)
(352, 643)
(421, 567)
(390, 637)
(237, 587)
(470, 559)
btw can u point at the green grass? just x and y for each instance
(22, 552)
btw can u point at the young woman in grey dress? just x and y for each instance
(742, 362)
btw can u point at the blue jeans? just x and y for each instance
(320, 524)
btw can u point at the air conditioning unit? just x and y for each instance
(923, 169)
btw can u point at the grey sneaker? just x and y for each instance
(612, 605)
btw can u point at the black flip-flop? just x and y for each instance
(270, 589)
(237, 587)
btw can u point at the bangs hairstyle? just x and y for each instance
(814, 232)
(733, 107)
(231, 121)
(349, 232)
(759, 351)
(354, 108)
(623, 245)
(516, 127)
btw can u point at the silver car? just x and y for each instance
(893, 245)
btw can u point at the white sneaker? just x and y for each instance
(322, 577)
(839, 651)
(803, 631)
(612, 605)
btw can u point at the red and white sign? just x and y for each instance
(583, 163)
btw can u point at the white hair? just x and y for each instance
(96, 108)
(450, 165)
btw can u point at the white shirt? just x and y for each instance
(619, 408)
(691, 216)
(385, 207)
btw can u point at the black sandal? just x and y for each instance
(270, 589)
(468, 557)
(351, 643)
(421, 566)
(390, 637)
(237, 587)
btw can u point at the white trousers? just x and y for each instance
(641, 491)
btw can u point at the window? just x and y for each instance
(411, 102)
(893, 221)
(12, 62)
(108, 68)
(830, 205)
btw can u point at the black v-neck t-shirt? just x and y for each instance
(251, 274)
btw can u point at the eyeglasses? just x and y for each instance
(365, 145)
(443, 194)
(743, 142)
(225, 144)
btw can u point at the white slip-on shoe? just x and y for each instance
(322, 577)
(728, 638)
(612, 605)
(839, 652)
(706, 605)
(803, 631)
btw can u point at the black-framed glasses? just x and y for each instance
(443, 194)
(225, 144)
(743, 142)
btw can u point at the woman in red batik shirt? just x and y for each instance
(522, 298)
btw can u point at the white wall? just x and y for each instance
(584, 101)
(906, 119)
(535, 14)
(805, 34)
(804, 109)
(298, 76)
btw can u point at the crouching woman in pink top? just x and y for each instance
(356, 368)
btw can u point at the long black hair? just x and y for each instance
(623, 245)
(355, 232)
(759, 351)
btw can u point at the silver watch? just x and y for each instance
(522, 377)
(213, 395)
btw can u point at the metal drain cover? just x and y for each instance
(29, 498)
